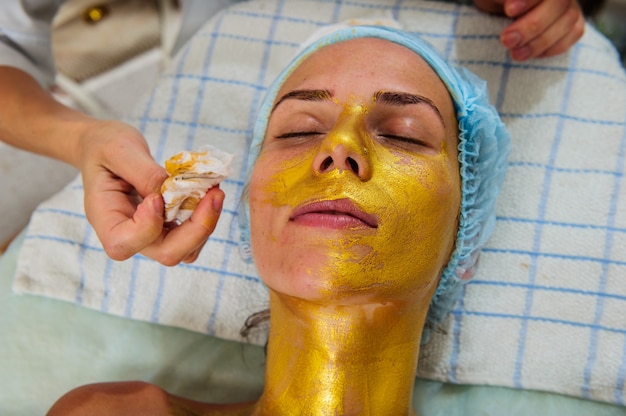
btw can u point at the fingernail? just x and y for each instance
(521, 54)
(155, 202)
(217, 202)
(511, 39)
(514, 8)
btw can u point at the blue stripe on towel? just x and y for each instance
(141, 126)
(156, 308)
(548, 289)
(336, 12)
(222, 272)
(565, 116)
(456, 338)
(536, 254)
(533, 66)
(252, 39)
(566, 170)
(529, 318)
(395, 9)
(170, 109)
(618, 394)
(213, 127)
(104, 305)
(541, 213)
(64, 212)
(501, 89)
(562, 224)
(132, 288)
(81, 263)
(608, 251)
(225, 81)
(197, 107)
(621, 373)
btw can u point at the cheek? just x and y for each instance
(423, 220)
(271, 189)
(269, 218)
(261, 204)
(263, 237)
(287, 175)
(434, 195)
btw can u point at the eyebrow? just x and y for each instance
(405, 98)
(305, 95)
(383, 97)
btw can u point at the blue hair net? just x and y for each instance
(483, 146)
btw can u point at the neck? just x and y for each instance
(348, 360)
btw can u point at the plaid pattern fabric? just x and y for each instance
(547, 309)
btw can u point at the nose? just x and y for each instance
(345, 151)
(342, 159)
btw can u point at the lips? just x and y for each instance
(336, 214)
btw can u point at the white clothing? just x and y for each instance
(25, 32)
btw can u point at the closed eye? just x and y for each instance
(298, 134)
(403, 139)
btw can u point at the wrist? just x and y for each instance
(33, 120)
(72, 130)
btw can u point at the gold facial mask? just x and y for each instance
(415, 196)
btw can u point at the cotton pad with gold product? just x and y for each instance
(191, 175)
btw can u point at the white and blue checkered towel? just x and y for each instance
(547, 310)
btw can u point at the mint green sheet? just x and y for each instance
(48, 347)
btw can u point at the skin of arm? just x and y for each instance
(121, 179)
(138, 399)
(540, 28)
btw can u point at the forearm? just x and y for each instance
(32, 120)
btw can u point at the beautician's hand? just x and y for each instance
(541, 28)
(123, 202)
(121, 180)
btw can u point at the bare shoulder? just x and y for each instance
(137, 399)
(123, 398)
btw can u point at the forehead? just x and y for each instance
(366, 65)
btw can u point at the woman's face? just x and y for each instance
(355, 195)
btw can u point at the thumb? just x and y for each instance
(140, 170)
(515, 8)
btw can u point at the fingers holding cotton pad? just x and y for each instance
(191, 175)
